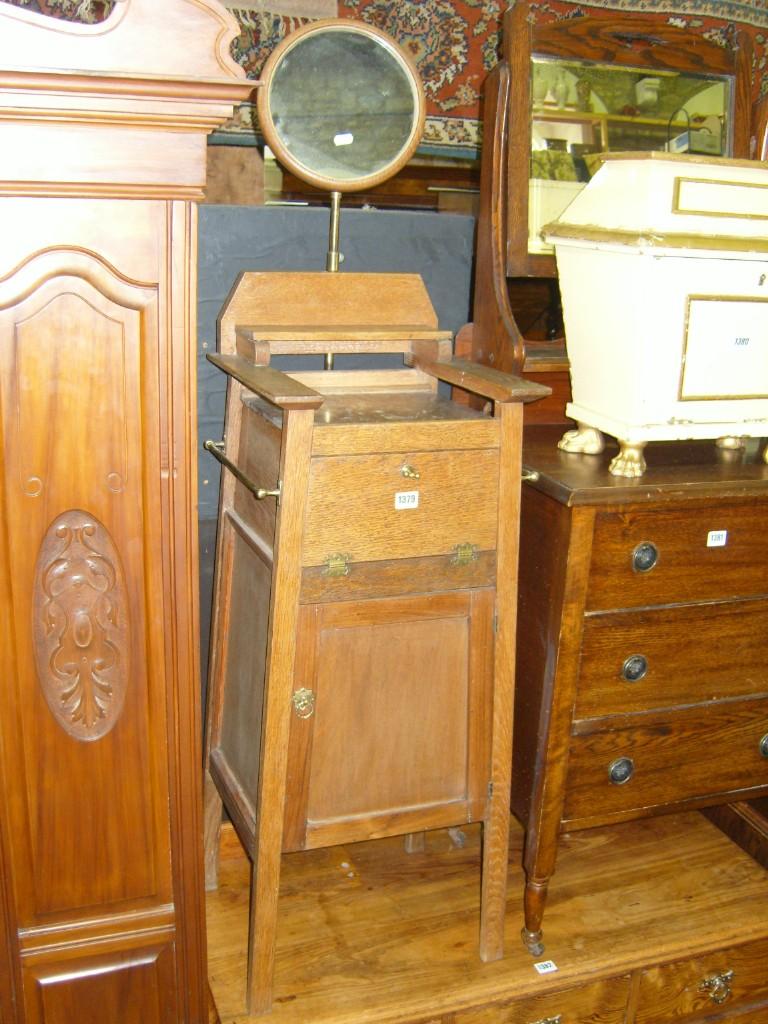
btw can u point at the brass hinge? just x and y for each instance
(464, 554)
(337, 565)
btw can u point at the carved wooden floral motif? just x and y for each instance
(80, 627)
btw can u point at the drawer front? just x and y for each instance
(601, 1003)
(354, 509)
(635, 661)
(711, 984)
(643, 557)
(683, 755)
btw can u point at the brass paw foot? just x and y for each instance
(584, 440)
(731, 443)
(630, 461)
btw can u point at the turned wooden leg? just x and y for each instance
(212, 809)
(534, 901)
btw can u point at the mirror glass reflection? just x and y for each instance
(581, 110)
(343, 104)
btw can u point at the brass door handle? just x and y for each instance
(718, 987)
(216, 448)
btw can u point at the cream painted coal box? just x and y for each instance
(663, 265)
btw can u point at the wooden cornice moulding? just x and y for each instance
(117, 109)
(132, 40)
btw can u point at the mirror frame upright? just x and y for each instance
(624, 41)
(493, 337)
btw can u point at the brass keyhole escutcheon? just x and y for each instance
(409, 472)
(303, 703)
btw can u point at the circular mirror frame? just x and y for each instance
(284, 155)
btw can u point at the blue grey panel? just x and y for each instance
(237, 238)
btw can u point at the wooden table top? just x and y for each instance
(675, 470)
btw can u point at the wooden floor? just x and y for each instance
(368, 933)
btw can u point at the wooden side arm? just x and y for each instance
(485, 381)
(272, 385)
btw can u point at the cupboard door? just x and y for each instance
(79, 391)
(399, 738)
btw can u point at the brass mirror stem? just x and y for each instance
(332, 259)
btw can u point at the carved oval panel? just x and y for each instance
(80, 625)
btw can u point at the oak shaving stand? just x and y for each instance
(363, 632)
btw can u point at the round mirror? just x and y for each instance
(341, 105)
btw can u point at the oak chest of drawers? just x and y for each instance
(642, 684)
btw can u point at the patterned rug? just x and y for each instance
(454, 42)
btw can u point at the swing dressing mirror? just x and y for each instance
(341, 105)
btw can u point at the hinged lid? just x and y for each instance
(659, 200)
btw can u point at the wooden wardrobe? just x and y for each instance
(103, 141)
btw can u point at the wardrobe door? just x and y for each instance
(90, 584)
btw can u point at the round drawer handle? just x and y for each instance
(409, 472)
(764, 746)
(635, 667)
(621, 770)
(644, 557)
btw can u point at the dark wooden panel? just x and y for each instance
(604, 1002)
(259, 459)
(699, 753)
(399, 577)
(78, 346)
(242, 705)
(746, 823)
(694, 653)
(392, 694)
(683, 990)
(129, 985)
(687, 569)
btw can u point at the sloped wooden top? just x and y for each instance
(168, 39)
(371, 305)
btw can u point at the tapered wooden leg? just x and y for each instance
(262, 932)
(212, 810)
(496, 826)
(279, 686)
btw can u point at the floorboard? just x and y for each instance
(370, 934)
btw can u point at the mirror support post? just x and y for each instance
(332, 259)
